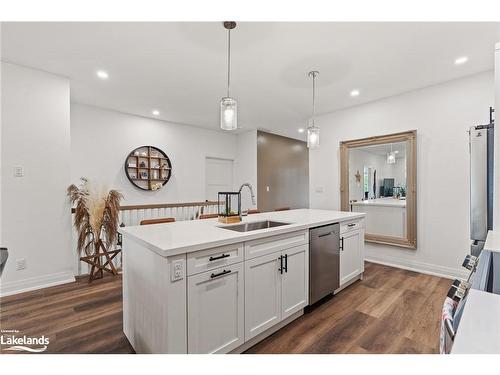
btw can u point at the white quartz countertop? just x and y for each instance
(386, 202)
(193, 235)
(479, 328)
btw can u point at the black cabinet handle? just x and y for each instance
(286, 262)
(281, 264)
(224, 272)
(351, 225)
(211, 259)
(342, 244)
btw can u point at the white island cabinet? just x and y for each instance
(352, 241)
(196, 287)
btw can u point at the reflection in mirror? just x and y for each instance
(378, 177)
(381, 193)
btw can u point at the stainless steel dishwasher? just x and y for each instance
(324, 261)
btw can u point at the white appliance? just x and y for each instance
(481, 183)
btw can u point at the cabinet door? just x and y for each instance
(216, 310)
(262, 294)
(351, 257)
(295, 280)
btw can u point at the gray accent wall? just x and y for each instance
(282, 172)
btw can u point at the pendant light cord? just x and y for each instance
(314, 96)
(228, 60)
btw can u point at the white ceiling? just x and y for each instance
(180, 68)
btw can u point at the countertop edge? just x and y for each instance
(246, 236)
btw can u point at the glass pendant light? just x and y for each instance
(312, 129)
(228, 105)
(391, 157)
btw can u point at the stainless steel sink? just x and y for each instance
(247, 227)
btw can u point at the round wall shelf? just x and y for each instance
(148, 168)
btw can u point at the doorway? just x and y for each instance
(218, 177)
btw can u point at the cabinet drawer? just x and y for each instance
(206, 260)
(351, 225)
(269, 245)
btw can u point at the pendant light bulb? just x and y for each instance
(391, 157)
(228, 105)
(312, 129)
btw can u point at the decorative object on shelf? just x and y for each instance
(358, 178)
(148, 168)
(229, 208)
(312, 129)
(228, 105)
(156, 186)
(96, 222)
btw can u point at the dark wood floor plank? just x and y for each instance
(339, 338)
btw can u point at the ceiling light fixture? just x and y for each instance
(391, 157)
(301, 130)
(228, 105)
(155, 112)
(461, 60)
(312, 129)
(354, 92)
(102, 74)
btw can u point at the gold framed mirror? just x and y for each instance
(378, 176)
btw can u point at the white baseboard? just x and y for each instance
(420, 267)
(34, 283)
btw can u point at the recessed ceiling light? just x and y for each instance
(301, 130)
(156, 112)
(461, 60)
(102, 74)
(354, 92)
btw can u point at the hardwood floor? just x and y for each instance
(77, 317)
(390, 311)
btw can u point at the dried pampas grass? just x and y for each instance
(96, 215)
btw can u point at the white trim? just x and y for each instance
(420, 267)
(34, 283)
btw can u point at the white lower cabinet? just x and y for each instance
(215, 304)
(276, 286)
(351, 255)
(294, 281)
(262, 294)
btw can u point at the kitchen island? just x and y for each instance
(197, 287)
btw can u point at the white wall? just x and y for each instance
(441, 114)
(36, 220)
(245, 167)
(101, 140)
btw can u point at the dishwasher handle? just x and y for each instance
(325, 234)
